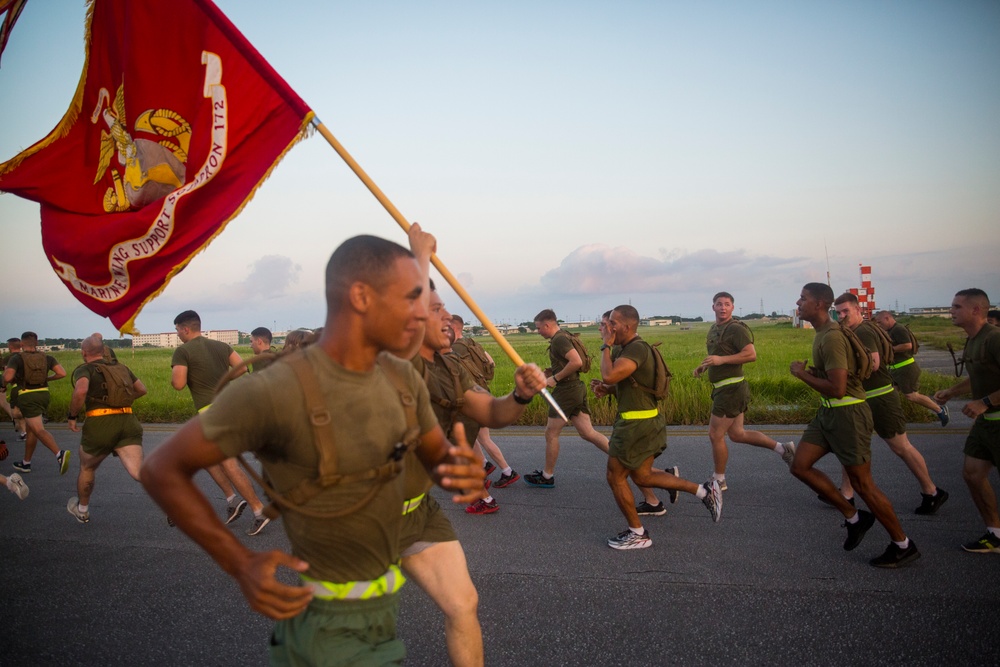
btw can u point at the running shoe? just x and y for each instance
(233, 512)
(22, 466)
(987, 544)
(896, 557)
(789, 454)
(538, 479)
(645, 509)
(63, 459)
(673, 494)
(73, 508)
(17, 486)
(629, 540)
(170, 522)
(944, 415)
(258, 524)
(489, 467)
(856, 531)
(507, 480)
(722, 485)
(929, 504)
(481, 506)
(713, 499)
(23, 435)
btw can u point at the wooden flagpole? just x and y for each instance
(442, 269)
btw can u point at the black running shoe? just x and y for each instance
(856, 531)
(987, 544)
(233, 512)
(896, 557)
(507, 480)
(645, 509)
(673, 494)
(929, 504)
(489, 467)
(538, 479)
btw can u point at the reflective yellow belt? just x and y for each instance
(992, 416)
(28, 391)
(200, 410)
(100, 412)
(901, 364)
(841, 402)
(723, 383)
(412, 503)
(640, 414)
(881, 391)
(388, 583)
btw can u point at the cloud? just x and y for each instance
(601, 269)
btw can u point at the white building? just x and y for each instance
(170, 339)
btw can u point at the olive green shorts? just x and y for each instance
(635, 440)
(983, 441)
(846, 431)
(731, 400)
(424, 526)
(103, 435)
(571, 396)
(33, 403)
(907, 378)
(361, 633)
(887, 415)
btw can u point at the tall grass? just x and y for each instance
(777, 397)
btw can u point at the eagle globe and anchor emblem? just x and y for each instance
(152, 169)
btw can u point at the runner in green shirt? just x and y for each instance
(843, 426)
(982, 446)
(639, 434)
(344, 610)
(905, 370)
(730, 345)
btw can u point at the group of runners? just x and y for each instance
(353, 430)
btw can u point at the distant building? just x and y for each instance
(666, 322)
(576, 325)
(933, 311)
(170, 339)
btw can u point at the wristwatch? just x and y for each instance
(987, 402)
(605, 346)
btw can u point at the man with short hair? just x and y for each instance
(199, 364)
(905, 370)
(730, 345)
(843, 425)
(887, 413)
(432, 554)
(469, 352)
(30, 369)
(982, 445)
(640, 433)
(13, 345)
(993, 317)
(260, 344)
(346, 548)
(569, 393)
(110, 426)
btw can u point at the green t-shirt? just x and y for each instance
(725, 340)
(207, 362)
(870, 339)
(96, 392)
(630, 397)
(982, 360)
(559, 347)
(830, 351)
(265, 413)
(17, 364)
(899, 335)
(441, 388)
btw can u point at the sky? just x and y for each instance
(579, 155)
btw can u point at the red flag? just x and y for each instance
(176, 121)
(13, 9)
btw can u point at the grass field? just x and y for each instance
(777, 397)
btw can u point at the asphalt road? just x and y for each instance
(770, 584)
